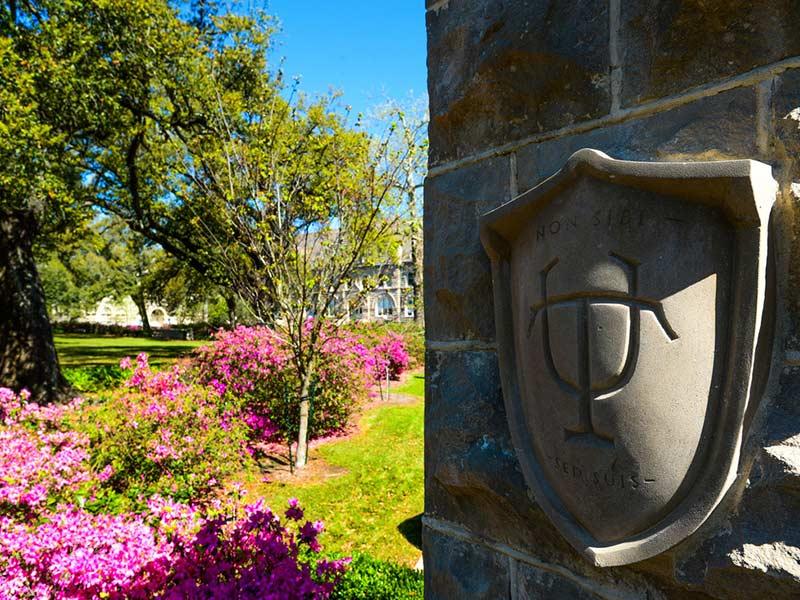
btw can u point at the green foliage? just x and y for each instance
(92, 261)
(105, 258)
(368, 578)
(94, 378)
(66, 72)
(184, 293)
(172, 444)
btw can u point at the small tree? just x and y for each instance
(307, 217)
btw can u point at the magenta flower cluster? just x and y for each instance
(37, 459)
(254, 366)
(390, 353)
(165, 384)
(173, 552)
(240, 359)
(53, 546)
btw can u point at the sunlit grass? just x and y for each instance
(413, 386)
(370, 491)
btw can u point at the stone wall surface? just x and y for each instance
(516, 86)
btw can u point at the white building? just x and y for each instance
(125, 314)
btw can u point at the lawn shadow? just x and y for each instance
(105, 352)
(411, 529)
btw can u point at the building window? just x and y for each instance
(333, 308)
(409, 307)
(410, 278)
(385, 307)
(356, 310)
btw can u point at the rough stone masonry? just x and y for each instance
(516, 87)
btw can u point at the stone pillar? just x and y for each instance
(517, 86)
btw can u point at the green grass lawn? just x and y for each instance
(82, 350)
(413, 386)
(369, 492)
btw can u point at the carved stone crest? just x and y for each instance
(629, 299)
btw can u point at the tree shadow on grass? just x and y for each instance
(80, 356)
(411, 529)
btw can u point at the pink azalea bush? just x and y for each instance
(161, 435)
(392, 354)
(37, 464)
(244, 360)
(56, 543)
(388, 349)
(252, 366)
(125, 497)
(175, 552)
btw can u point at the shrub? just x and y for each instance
(255, 556)
(37, 466)
(391, 354)
(412, 333)
(368, 578)
(51, 546)
(162, 435)
(41, 461)
(73, 554)
(97, 329)
(251, 367)
(173, 551)
(94, 378)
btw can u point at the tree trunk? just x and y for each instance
(230, 302)
(301, 457)
(416, 259)
(141, 305)
(28, 356)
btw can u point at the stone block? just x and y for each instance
(785, 125)
(538, 584)
(456, 569)
(755, 554)
(502, 70)
(471, 470)
(669, 46)
(712, 128)
(457, 274)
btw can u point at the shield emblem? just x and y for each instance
(629, 302)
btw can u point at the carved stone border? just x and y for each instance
(745, 191)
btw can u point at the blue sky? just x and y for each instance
(369, 50)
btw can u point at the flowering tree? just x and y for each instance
(305, 236)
